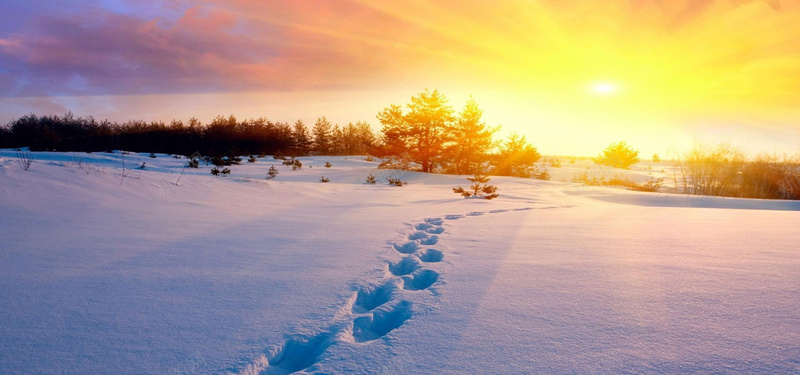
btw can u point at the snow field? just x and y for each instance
(241, 274)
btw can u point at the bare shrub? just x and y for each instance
(712, 170)
(24, 159)
(652, 185)
(725, 171)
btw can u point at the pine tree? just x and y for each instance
(419, 135)
(338, 141)
(300, 138)
(469, 140)
(618, 155)
(272, 172)
(296, 164)
(516, 157)
(656, 158)
(322, 136)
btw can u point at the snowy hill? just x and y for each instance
(105, 273)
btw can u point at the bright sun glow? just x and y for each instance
(604, 88)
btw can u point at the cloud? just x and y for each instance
(102, 52)
(665, 49)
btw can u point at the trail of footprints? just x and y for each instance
(376, 309)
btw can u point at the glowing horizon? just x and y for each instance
(571, 77)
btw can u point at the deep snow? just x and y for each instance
(243, 275)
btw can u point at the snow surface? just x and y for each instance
(239, 274)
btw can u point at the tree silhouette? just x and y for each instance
(301, 140)
(322, 135)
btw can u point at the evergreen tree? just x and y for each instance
(301, 140)
(516, 157)
(618, 155)
(365, 136)
(272, 172)
(417, 136)
(322, 136)
(337, 141)
(469, 140)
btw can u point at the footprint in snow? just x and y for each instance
(476, 213)
(436, 230)
(432, 240)
(423, 226)
(434, 221)
(406, 248)
(299, 353)
(381, 322)
(431, 256)
(453, 217)
(417, 236)
(404, 267)
(420, 280)
(371, 296)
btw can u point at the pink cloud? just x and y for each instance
(225, 46)
(113, 53)
(241, 45)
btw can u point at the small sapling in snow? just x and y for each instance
(479, 187)
(272, 172)
(396, 181)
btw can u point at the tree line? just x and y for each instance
(221, 137)
(428, 136)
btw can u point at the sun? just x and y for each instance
(604, 88)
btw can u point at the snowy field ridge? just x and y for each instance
(105, 271)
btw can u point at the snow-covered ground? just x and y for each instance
(238, 274)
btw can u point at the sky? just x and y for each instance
(572, 76)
